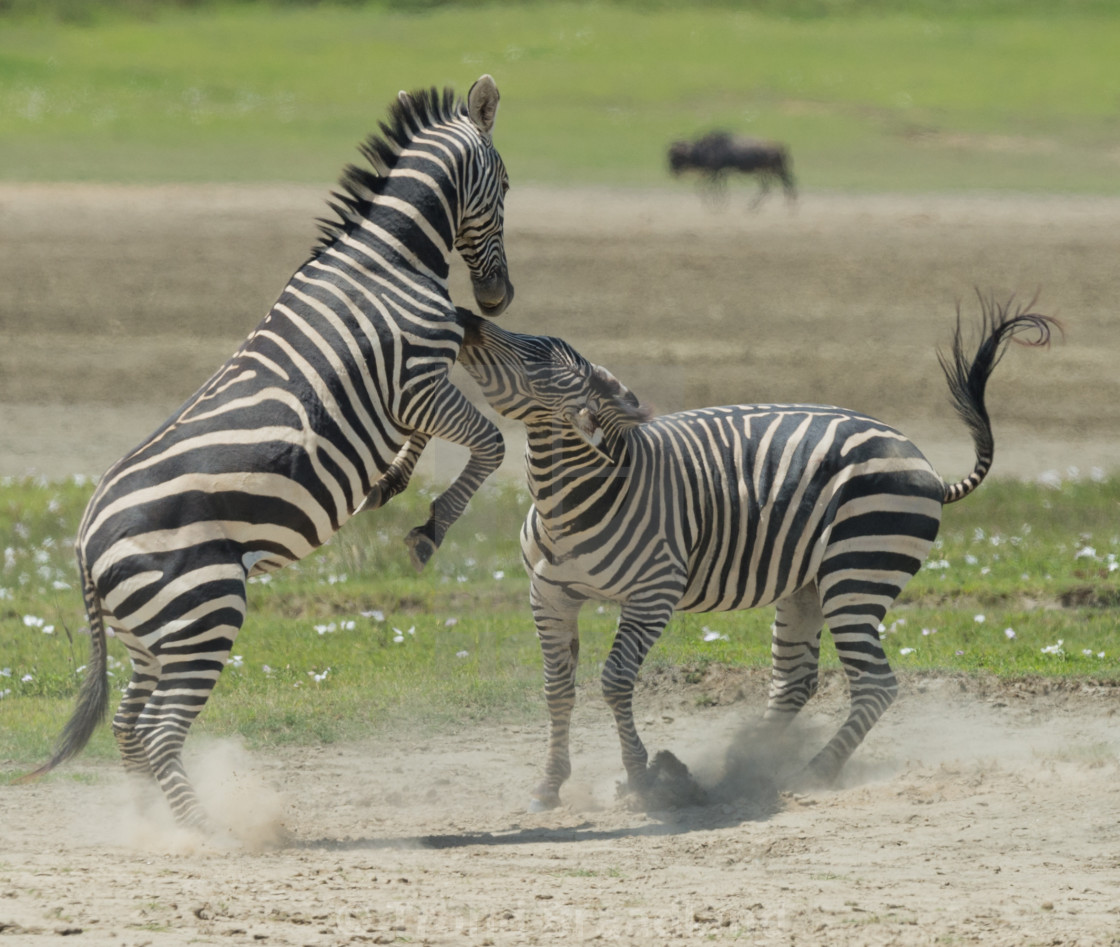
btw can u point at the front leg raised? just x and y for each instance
(395, 479)
(444, 412)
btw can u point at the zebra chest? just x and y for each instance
(609, 565)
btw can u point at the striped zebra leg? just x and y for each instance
(872, 686)
(145, 676)
(448, 415)
(795, 648)
(187, 654)
(639, 626)
(398, 474)
(558, 631)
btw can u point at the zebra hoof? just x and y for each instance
(374, 500)
(669, 785)
(420, 548)
(544, 803)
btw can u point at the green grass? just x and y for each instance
(1040, 560)
(874, 97)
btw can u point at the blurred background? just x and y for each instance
(162, 166)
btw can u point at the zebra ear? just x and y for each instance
(482, 104)
(586, 425)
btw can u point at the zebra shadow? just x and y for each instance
(750, 782)
(677, 822)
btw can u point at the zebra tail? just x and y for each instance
(93, 696)
(968, 378)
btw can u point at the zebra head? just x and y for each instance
(547, 385)
(680, 156)
(480, 237)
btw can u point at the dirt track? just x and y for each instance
(119, 302)
(967, 817)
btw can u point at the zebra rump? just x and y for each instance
(823, 512)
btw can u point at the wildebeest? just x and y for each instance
(718, 152)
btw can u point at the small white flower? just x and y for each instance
(712, 635)
(1009, 634)
(1051, 479)
(236, 661)
(398, 638)
(266, 669)
(937, 564)
(375, 614)
(451, 623)
(1085, 552)
(1054, 648)
(27, 678)
(499, 575)
(905, 650)
(970, 559)
(979, 619)
(461, 654)
(985, 570)
(32, 621)
(347, 625)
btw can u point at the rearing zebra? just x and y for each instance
(824, 512)
(284, 443)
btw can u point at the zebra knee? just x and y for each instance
(617, 684)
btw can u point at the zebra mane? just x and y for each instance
(408, 116)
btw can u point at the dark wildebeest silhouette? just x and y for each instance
(718, 152)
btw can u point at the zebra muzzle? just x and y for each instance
(493, 294)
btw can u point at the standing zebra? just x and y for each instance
(824, 512)
(347, 372)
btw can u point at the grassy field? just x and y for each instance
(1026, 581)
(912, 97)
(919, 98)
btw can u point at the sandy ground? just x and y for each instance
(118, 302)
(968, 816)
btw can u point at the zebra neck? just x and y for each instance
(568, 479)
(412, 223)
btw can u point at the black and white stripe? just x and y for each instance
(332, 392)
(823, 512)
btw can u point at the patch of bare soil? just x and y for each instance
(119, 301)
(974, 813)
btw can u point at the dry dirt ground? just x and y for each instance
(969, 816)
(118, 302)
